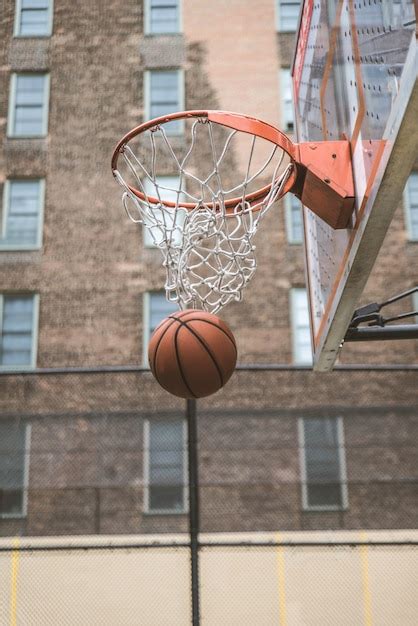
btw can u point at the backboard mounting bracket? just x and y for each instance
(379, 328)
(325, 180)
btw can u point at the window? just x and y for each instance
(324, 484)
(287, 100)
(28, 110)
(14, 468)
(33, 18)
(294, 226)
(287, 15)
(156, 308)
(19, 324)
(153, 235)
(411, 206)
(162, 16)
(22, 214)
(415, 305)
(164, 93)
(302, 350)
(165, 469)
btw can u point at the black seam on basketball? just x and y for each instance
(176, 316)
(205, 345)
(178, 359)
(199, 319)
(162, 322)
(154, 372)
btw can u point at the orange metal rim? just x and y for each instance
(237, 121)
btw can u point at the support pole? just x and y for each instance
(382, 333)
(193, 506)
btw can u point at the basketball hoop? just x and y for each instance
(205, 223)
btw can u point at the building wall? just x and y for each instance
(93, 270)
(89, 261)
(86, 460)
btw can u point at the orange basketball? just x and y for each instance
(192, 353)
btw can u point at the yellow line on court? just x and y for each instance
(367, 596)
(281, 582)
(13, 582)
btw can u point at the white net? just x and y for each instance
(204, 226)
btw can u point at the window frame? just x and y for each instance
(279, 27)
(284, 85)
(12, 106)
(407, 210)
(342, 468)
(5, 212)
(17, 21)
(181, 96)
(35, 330)
(25, 486)
(289, 220)
(146, 471)
(147, 20)
(146, 319)
(296, 360)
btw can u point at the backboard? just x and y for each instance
(354, 77)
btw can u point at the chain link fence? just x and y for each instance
(287, 498)
(318, 580)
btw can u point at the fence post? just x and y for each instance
(194, 522)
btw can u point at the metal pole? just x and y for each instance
(382, 333)
(193, 506)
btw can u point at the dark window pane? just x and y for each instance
(322, 462)
(325, 494)
(11, 501)
(320, 431)
(166, 498)
(166, 465)
(12, 466)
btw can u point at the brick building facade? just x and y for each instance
(83, 283)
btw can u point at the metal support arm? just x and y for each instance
(377, 329)
(379, 333)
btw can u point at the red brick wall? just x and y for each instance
(92, 271)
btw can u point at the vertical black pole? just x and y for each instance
(193, 506)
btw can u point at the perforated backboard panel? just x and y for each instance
(354, 77)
